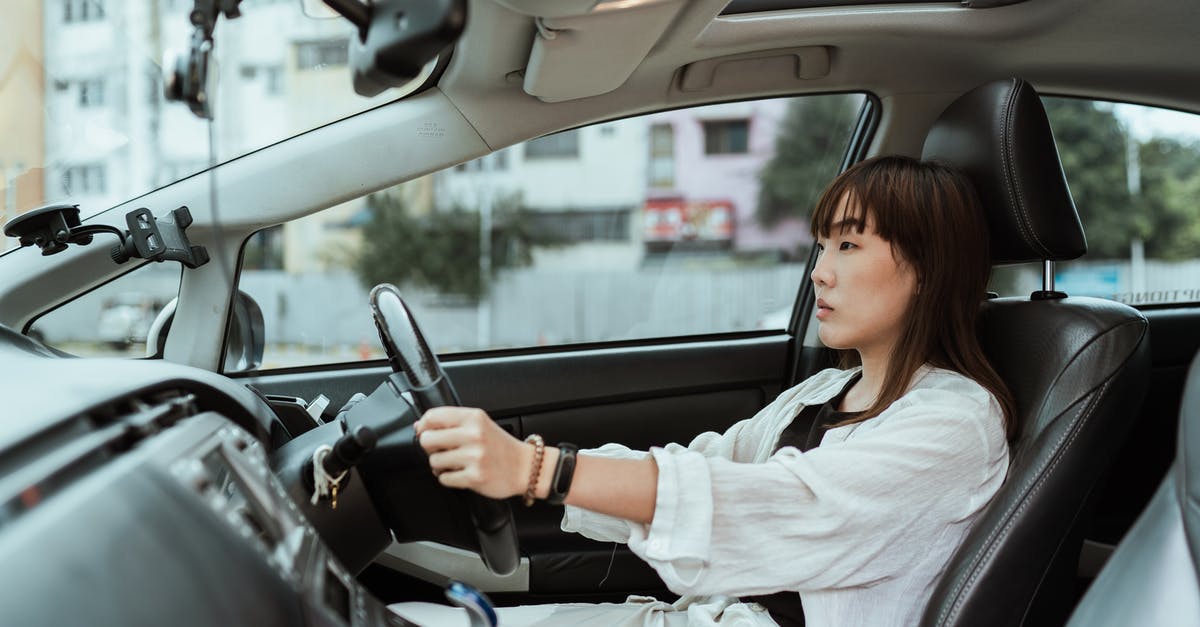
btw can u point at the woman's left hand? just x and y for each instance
(467, 449)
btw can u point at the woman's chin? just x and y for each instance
(830, 340)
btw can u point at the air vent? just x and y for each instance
(33, 469)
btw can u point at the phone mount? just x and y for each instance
(52, 228)
(187, 78)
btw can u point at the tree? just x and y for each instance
(808, 152)
(440, 250)
(1091, 145)
(1170, 182)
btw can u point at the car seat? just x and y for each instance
(1151, 579)
(1077, 368)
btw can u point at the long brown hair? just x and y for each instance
(931, 216)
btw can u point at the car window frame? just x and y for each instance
(861, 138)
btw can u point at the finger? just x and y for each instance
(443, 418)
(442, 439)
(463, 478)
(454, 459)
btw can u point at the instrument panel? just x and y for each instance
(189, 526)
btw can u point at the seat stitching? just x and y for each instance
(1038, 481)
(957, 590)
(1010, 168)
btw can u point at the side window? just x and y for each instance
(1134, 172)
(679, 223)
(113, 320)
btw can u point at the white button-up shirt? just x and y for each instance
(861, 527)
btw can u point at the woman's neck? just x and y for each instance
(864, 393)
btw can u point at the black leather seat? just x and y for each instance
(1076, 366)
(1152, 577)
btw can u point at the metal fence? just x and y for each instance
(322, 317)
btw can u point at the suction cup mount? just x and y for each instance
(53, 227)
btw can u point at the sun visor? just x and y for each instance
(592, 54)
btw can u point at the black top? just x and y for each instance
(805, 433)
(809, 426)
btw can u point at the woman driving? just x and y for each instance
(850, 491)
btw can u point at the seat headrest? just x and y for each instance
(998, 135)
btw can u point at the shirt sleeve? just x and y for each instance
(847, 513)
(739, 442)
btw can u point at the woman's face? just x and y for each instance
(863, 290)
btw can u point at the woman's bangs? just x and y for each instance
(826, 216)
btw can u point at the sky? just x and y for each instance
(1147, 122)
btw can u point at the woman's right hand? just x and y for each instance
(467, 449)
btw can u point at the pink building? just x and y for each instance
(703, 181)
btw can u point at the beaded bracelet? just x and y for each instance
(539, 451)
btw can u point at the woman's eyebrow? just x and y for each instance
(841, 226)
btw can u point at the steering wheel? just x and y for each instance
(409, 354)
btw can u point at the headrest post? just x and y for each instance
(1047, 292)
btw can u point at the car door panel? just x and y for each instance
(1150, 446)
(639, 395)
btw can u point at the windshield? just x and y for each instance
(83, 116)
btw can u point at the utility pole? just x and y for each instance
(1133, 183)
(483, 332)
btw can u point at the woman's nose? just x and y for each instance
(821, 274)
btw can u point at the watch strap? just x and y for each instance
(564, 471)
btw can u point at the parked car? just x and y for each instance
(503, 188)
(126, 319)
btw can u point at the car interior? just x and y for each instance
(179, 488)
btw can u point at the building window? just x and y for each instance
(556, 146)
(602, 225)
(662, 155)
(272, 75)
(311, 55)
(85, 179)
(726, 137)
(274, 79)
(91, 92)
(83, 10)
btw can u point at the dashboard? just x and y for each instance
(142, 493)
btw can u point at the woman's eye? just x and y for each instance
(820, 249)
(846, 246)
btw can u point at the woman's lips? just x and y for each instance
(823, 309)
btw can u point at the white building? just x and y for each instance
(585, 186)
(110, 134)
(622, 190)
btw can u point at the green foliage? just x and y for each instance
(1170, 197)
(1092, 145)
(808, 152)
(264, 250)
(1164, 213)
(440, 250)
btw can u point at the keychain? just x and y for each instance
(324, 484)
